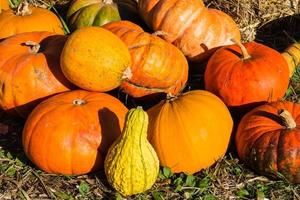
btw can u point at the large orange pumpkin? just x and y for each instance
(30, 70)
(157, 66)
(27, 19)
(268, 140)
(189, 25)
(190, 132)
(247, 74)
(4, 5)
(95, 59)
(70, 133)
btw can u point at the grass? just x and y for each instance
(227, 179)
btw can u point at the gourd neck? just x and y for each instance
(245, 54)
(287, 119)
(136, 124)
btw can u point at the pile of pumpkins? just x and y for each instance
(60, 84)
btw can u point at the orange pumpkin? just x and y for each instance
(157, 66)
(189, 25)
(190, 132)
(268, 140)
(95, 59)
(4, 5)
(70, 133)
(242, 75)
(30, 70)
(28, 19)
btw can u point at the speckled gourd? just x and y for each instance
(131, 165)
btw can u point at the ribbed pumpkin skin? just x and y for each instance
(95, 59)
(91, 13)
(157, 66)
(4, 5)
(64, 138)
(131, 164)
(292, 55)
(194, 29)
(266, 145)
(262, 78)
(40, 19)
(191, 132)
(27, 77)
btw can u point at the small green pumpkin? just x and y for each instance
(91, 13)
(131, 165)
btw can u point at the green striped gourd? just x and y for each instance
(292, 56)
(91, 13)
(131, 165)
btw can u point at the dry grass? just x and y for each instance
(272, 22)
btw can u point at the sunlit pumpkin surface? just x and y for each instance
(157, 66)
(95, 59)
(266, 143)
(191, 132)
(189, 25)
(33, 19)
(70, 133)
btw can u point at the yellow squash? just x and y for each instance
(131, 165)
(292, 56)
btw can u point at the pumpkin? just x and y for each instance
(267, 140)
(189, 25)
(91, 13)
(131, 165)
(28, 19)
(190, 132)
(292, 55)
(30, 70)
(95, 59)
(4, 5)
(242, 75)
(157, 66)
(71, 132)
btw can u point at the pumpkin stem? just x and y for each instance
(171, 97)
(287, 118)
(79, 102)
(34, 46)
(127, 74)
(107, 1)
(23, 9)
(245, 53)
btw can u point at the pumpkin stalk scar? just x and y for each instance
(107, 1)
(34, 46)
(127, 74)
(79, 102)
(171, 97)
(245, 53)
(23, 9)
(287, 118)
